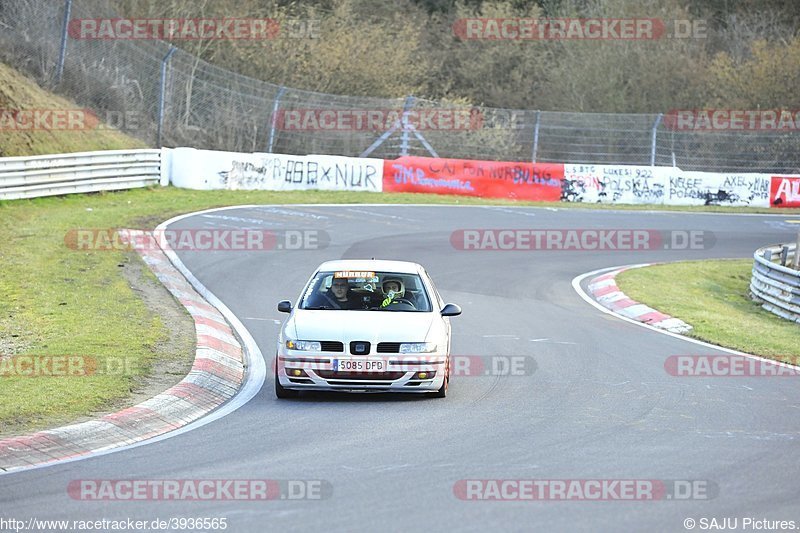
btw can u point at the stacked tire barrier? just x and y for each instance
(776, 286)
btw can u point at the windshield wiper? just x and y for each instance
(318, 308)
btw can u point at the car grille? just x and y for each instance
(388, 347)
(360, 376)
(332, 346)
(355, 344)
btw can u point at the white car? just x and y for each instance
(367, 326)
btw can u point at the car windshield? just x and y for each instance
(366, 291)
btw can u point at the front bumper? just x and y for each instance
(403, 373)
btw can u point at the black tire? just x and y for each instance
(280, 391)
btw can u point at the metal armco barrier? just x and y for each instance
(48, 175)
(775, 286)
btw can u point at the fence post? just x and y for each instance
(653, 141)
(274, 121)
(62, 53)
(796, 261)
(162, 93)
(535, 137)
(407, 105)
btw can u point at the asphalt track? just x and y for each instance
(599, 404)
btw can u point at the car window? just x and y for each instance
(435, 289)
(366, 291)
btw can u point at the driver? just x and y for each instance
(393, 291)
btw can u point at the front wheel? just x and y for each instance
(280, 391)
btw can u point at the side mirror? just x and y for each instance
(285, 306)
(451, 310)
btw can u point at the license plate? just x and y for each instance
(359, 365)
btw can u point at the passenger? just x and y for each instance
(340, 294)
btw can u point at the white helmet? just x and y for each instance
(400, 292)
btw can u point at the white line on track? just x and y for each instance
(370, 213)
(576, 284)
(274, 320)
(513, 211)
(553, 342)
(257, 221)
(281, 209)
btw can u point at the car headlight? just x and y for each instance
(304, 346)
(418, 347)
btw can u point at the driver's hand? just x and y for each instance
(388, 300)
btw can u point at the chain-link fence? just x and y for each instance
(169, 97)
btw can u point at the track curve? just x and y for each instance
(598, 406)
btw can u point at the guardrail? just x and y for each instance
(775, 285)
(48, 175)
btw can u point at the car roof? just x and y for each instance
(372, 265)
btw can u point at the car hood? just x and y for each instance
(373, 326)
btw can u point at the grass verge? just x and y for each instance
(20, 93)
(713, 296)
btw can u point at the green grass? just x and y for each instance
(712, 296)
(18, 92)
